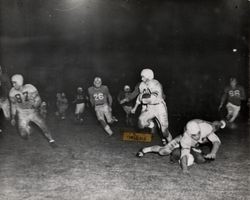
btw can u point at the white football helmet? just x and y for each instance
(126, 88)
(79, 89)
(147, 73)
(97, 82)
(17, 79)
(192, 128)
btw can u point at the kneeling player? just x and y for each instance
(187, 147)
(101, 101)
(25, 103)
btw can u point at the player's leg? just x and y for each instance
(39, 121)
(6, 108)
(145, 119)
(161, 115)
(100, 110)
(235, 113)
(23, 125)
(81, 111)
(151, 149)
(230, 111)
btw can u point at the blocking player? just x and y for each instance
(127, 106)
(233, 95)
(5, 87)
(25, 103)
(153, 105)
(101, 101)
(193, 145)
(80, 100)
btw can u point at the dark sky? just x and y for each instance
(189, 44)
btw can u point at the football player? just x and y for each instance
(80, 101)
(154, 106)
(233, 95)
(101, 101)
(127, 106)
(189, 147)
(62, 105)
(5, 87)
(25, 103)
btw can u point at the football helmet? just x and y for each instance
(97, 82)
(147, 73)
(127, 88)
(18, 79)
(192, 128)
(79, 89)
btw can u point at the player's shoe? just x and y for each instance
(52, 143)
(164, 141)
(140, 154)
(108, 130)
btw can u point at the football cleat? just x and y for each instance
(164, 141)
(140, 154)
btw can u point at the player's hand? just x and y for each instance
(210, 156)
(13, 122)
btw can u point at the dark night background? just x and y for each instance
(58, 45)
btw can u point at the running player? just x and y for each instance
(25, 103)
(101, 101)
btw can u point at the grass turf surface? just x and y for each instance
(88, 164)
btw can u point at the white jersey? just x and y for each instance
(25, 98)
(154, 88)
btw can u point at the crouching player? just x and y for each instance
(153, 105)
(101, 101)
(25, 103)
(193, 145)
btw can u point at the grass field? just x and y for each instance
(87, 164)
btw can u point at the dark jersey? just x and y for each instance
(5, 86)
(80, 98)
(122, 95)
(235, 95)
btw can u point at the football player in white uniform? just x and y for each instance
(25, 103)
(101, 101)
(187, 147)
(153, 105)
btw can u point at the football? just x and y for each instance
(146, 96)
